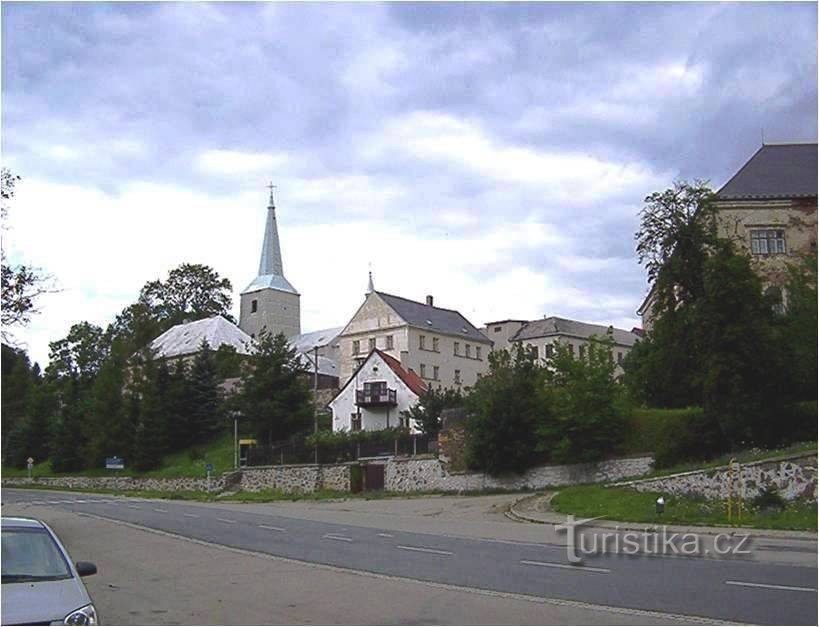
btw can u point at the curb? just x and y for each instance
(783, 534)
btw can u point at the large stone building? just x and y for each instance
(541, 335)
(441, 346)
(768, 208)
(270, 302)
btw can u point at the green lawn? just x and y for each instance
(631, 506)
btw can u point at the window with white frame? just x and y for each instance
(468, 350)
(457, 377)
(390, 342)
(767, 241)
(356, 347)
(423, 369)
(477, 352)
(435, 372)
(457, 348)
(422, 342)
(372, 343)
(435, 344)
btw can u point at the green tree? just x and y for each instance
(676, 236)
(16, 383)
(798, 328)
(79, 355)
(505, 407)
(205, 401)
(274, 396)
(178, 424)
(743, 387)
(109, 427)
(228, 362)
(427, 411)
(150, 385)
(586, 420)
(191, 292)
(21, 284)
(68, 440)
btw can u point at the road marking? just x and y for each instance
(134, 507)
(191, 515)
(590, 569)
(38, 502)
(421, 549)
(386, 535)
(272, 528)
(769, 585)
(161, 511)
(54, 502)
(227, 520)
(332, 536)
(649, 616)
(80, 501)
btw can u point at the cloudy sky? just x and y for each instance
(494, 155)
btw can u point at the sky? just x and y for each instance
(495, 156)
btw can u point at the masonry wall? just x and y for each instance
(793, 476)
(415, 474)
(297, 478)
(217, 483)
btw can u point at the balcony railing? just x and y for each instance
(375, 398)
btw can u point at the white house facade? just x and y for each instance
(375, 396)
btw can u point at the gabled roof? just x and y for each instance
(326, 366)
(186, 338)
(775, 171)
(307, 341)
(410, 379)
(563, 326)
(413, 382)
(433, 318)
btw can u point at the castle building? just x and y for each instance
(270, 302)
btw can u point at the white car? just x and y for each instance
(41, 585)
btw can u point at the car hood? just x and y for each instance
(41, 601)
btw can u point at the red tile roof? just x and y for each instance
(410, 379)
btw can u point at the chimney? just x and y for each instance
(429, 301)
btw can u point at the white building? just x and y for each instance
(439, 345)
(376, 394)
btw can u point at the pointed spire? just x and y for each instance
(271, 259)
(370, 288)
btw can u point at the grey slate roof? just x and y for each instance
(775, 171)
(562, 326)
(432, 318)
(186, 338)
(306, 341)
(326, 366)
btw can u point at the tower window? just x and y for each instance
(254, 306)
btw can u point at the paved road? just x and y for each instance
(727, 589)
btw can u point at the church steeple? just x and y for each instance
(271, 259)
(270, 302)
(370, 287)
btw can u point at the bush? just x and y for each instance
(769, 499)
(196, 453)
(686, 435)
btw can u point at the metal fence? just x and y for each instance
(297, 452)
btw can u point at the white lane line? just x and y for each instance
(38, 502)
(331, 536)
(227, 521)
(272, 528)
(421, 549)
(134, 507)
(191, 515)
(590, 569)
(161, 511)
(81, 501)
(386, 535)
(53, 502)
(772, 586)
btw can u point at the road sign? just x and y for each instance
(29, 465)
(30, 461)
(208, 468)
(114, 463)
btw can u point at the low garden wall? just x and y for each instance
(414, 474)
(296, 478)
(793, 476)
(121, 483)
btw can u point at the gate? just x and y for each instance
(374, 477)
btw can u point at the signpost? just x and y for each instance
(114, 463)
(29, 465)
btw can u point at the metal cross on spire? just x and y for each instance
(271, 187)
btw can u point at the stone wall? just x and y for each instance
(793, 476)
(121, 483)
(296, 478)
(414, 474)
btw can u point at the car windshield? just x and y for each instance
(31, 555)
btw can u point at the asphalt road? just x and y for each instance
(727, 589)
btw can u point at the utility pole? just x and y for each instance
(315, 398)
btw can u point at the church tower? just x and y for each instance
(270, 302)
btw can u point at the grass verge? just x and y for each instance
(627, 505)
